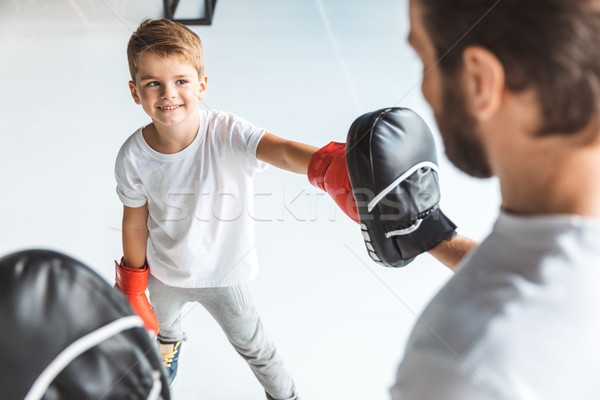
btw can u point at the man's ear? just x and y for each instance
(134, 93)
(484, 82)
(203, 83)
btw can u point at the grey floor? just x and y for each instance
(303, 69)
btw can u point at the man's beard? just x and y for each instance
(459, 131)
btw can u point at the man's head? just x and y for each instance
(162, 38)
(476, 51)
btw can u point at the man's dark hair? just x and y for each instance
(552, 46)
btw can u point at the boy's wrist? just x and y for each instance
(125, 264)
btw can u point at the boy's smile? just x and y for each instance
(168, 90)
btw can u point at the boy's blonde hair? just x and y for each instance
(163, 38)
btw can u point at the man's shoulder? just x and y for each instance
(458, 316)
(493, 314)
(463, 334)
(504, 311)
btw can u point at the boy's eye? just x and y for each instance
(181, 82)
(151, 84)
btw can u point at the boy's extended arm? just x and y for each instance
(285, 154)
(295, 157)
(135, 235)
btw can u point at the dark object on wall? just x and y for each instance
(206, 19)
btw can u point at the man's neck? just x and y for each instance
(557, 174)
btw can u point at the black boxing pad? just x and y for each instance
(392, 165)
(67, 334)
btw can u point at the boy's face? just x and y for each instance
(168, 89)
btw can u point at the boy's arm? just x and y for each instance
(295, 157)
(135, 235)
(325, 167)
(285, 154)
(132, 273)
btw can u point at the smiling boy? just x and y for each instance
(183, 180)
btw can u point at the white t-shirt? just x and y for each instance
(200, 201)
(520, 320)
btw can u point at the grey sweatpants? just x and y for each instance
(233, 309)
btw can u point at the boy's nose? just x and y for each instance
(169, 92)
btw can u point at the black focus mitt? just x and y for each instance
(392, 164)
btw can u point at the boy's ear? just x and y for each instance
(134, 94)
(203, 83)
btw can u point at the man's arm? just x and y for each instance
(135, 235)
(451, 252)
(285, 154)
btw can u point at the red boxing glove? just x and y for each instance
(327, 170)
(132, 283)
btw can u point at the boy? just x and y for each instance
(186, 184)
(186, 181)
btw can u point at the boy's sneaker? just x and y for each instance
(169, 350)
